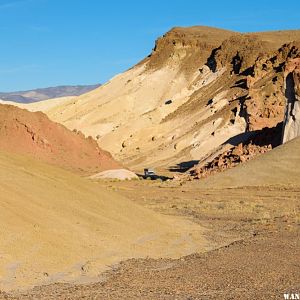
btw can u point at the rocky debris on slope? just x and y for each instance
(47, 93)
(34, 134)
(229, 159)
(260, 143)
(292, 93)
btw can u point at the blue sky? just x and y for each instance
(57, 42)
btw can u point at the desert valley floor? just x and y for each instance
(247, 229)
(251, 236)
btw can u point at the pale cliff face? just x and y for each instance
(292, 93)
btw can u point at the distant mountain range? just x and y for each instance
(47, 93)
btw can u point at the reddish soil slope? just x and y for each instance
(34, 134)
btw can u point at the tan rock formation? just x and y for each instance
(222, 85)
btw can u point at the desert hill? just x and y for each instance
(47, 93)
(200, 92)
(58, 226)
(33, 134)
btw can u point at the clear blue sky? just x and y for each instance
(57, 42)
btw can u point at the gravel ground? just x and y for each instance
(255, 240)
(263, 267)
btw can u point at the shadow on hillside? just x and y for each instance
(242, 83)
(154, 177)
(266, 136)
(183, 166)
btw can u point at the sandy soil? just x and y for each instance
(252, 235)
(118, 174)
(227, 273)
(57, 226)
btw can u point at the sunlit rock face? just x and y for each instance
(292, 94)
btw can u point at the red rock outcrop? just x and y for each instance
(229, 159)
(265, 100)
(33, 134)
(261, 142)
(258, 71)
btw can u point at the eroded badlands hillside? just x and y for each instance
(33, 134)
(199, 93)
